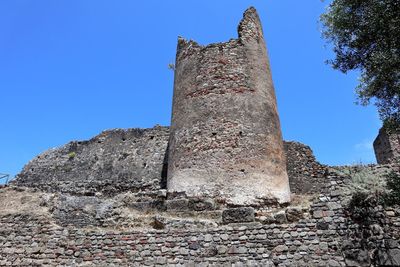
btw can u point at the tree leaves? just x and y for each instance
(365, 35)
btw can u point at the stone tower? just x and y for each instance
(225, 136)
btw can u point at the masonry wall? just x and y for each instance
(387, 147)
(116, 226)
(324, 236)
(113, 162)
(306, 174)
(226, 139)
(135, 160)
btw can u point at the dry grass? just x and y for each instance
(21, 202)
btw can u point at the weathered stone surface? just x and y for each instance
(119, 221)
(236, 215)
(51, 171)
(390, 257)
(387, 147)
(280, 217)
(177, 204)
(306, 174)
(114, 161)
(201, 204)
(226, 139)
(82, 211)
(31, 239)
(294, 214)
(147, 206)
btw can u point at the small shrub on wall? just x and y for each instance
(393, 186)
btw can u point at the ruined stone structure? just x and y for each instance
(387, 147)
(135, 160)
(114, 161)
(58, 229)
(104, 202)
(225, 138)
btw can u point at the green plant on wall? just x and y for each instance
(71, 155)
(363, 181)
(393, 185)
(367, 190)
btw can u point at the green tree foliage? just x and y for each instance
(366, 36)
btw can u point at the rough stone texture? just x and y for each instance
(145, 156)
(325, 235)
(238, 215)
(82, 211)
(114, 161)
(103, 202)
(225, 137)
(306, 174)
(387, 147)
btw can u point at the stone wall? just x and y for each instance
(387, 147)
(112, 162)
(306, 174)
(135, 160)
(67, 220)
(324, 234)
(38, 243)
(104, 202)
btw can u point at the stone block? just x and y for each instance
(389, 257)
(201, 204)
(238, 215)
(294, 214)
(180, 204)
(280, 217)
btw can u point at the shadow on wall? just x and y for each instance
(164, 171)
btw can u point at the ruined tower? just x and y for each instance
(225, 136)
(387, 146)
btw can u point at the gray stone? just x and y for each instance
(199, 204)
(161, 260)
(280, 217)
(267, 219)
(113, 162)
(237, 215)
(217, 139)
(184, 251)
(194, 245)
(391, 243)
(222, 249)
(224, 237)
(333, 263)
(318, 214)
(390, 257)
(177, 204)
(208, 238)
(281, 248)
(294, 214)
(387, 146)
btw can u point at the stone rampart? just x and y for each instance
(113, 162)
(306, 174)
(210, 191)
(133, 160)
(323, 235)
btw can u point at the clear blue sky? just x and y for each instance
(70, 69)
